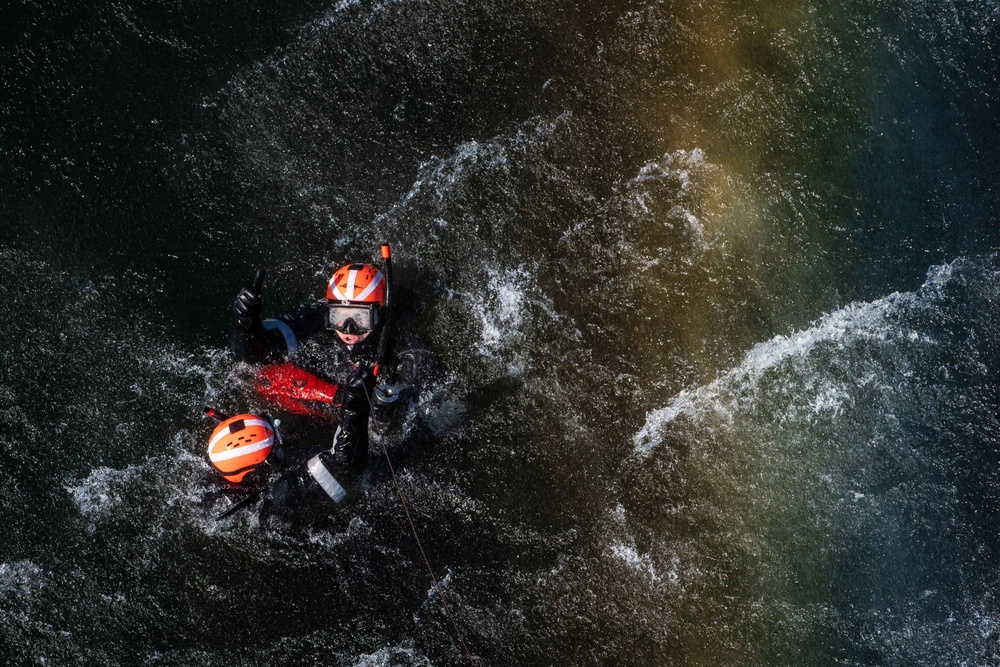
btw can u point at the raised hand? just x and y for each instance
(247, 305)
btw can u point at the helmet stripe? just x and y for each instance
(241, 451)
(246, 423)
(372, 286)
(351, 277)
(337, 294)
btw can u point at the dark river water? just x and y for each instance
(714, 285)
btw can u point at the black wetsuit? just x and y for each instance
(301, 338)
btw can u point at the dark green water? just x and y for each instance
(715, 284)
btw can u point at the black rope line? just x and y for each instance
(416, 536)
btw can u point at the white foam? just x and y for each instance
(20, 577)
(391, 656)
(678, 164)
(439, 176)
(500, 312)
(641, 563)
(101, 493)
(677, 169)
(875, 321)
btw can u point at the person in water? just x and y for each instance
(339, 341)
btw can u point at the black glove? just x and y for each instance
(350, 444)
(359, 390)
(247, 305)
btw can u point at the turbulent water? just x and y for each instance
(715, 285)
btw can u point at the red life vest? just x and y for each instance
(295, 390)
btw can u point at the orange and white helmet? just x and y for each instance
(356, 284)
(240, 444)
(355, 296)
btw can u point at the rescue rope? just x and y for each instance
(413, 528)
